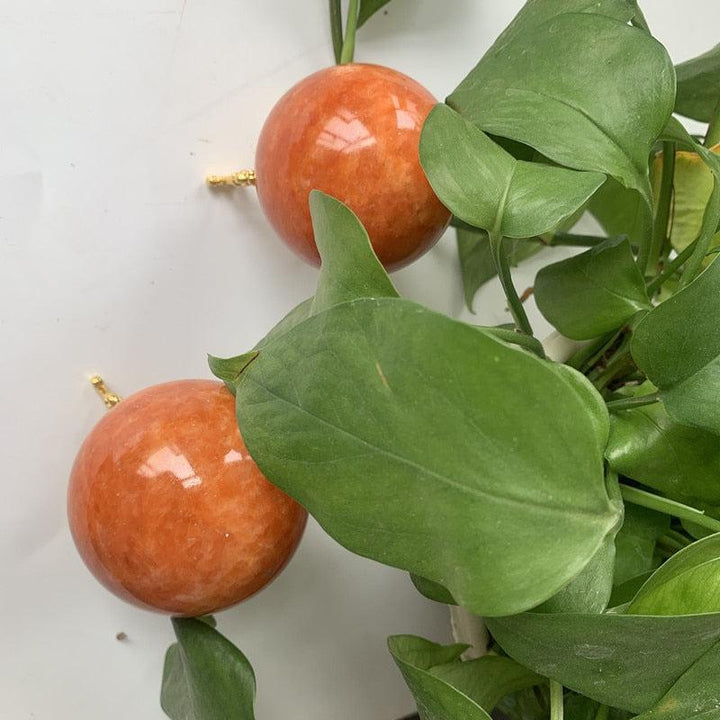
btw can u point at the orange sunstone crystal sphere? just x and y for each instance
(169, 511)
(352, 131)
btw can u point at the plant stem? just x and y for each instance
(695, 262)
(632, 402)
(588, 355)
(557, 711)
(348, 49)
(571, 240)
(668, 507)
(712, 137)
(679, 537)
(503, 270)
(603, 712)
(662, 211)
(673, 266)
(670, 544)
(336, 29)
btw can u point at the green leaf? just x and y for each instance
(476, 260)
(678, 346)
(435, 698)
(488, 679)
(623, 593)
(626, 661)
(698, 86)
(693, 183)
(621, 212)
(368, 8)
(229, 369)
(485, 680)
(711, 218)
(539, 84)
(590, 591)
(431, 590)
(488, 188)
(593, 293)
(426, 444)
(350, 269)
(695, 695)
(206, 677)
(682, 462)
(635, 543)
(298, 314)
(687, 584)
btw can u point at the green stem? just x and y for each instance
(348, 49)
(670, 544)
(603, 712)
(571, 240)
(672, 267)
(712, 137)
(557, 710)
(694, 264)
(662, 211)
(632, 402)
(503, 270)
(668, 507)
(679, 537)
(336, 29)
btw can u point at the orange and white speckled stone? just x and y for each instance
(352, 131)
(169, 511)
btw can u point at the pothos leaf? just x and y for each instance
(359, 414)
(698, 83)
(488, 188)
(544, 65)
(687, 584)
(593, 293)
(678, 346)
(206, 677)
(626, 661)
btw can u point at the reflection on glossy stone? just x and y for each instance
(169, 511)
(352, 131)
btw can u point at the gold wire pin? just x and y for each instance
(109, 398)
(242, 178)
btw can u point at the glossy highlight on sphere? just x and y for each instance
(167, 508)
(352, 131)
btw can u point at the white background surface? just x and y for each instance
(114, 257)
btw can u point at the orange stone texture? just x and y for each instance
(169, 511)
(352, 131)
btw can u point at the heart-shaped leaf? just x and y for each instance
(593, 293)
(448, 687)
(678, 346)
(698, 81)
(682, 462)
(426, 444)
(488, 188)
(687, 584)
(206, 677)
(539, 84)
(626, 661)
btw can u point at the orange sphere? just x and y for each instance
(169, 511)
(352, 131)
